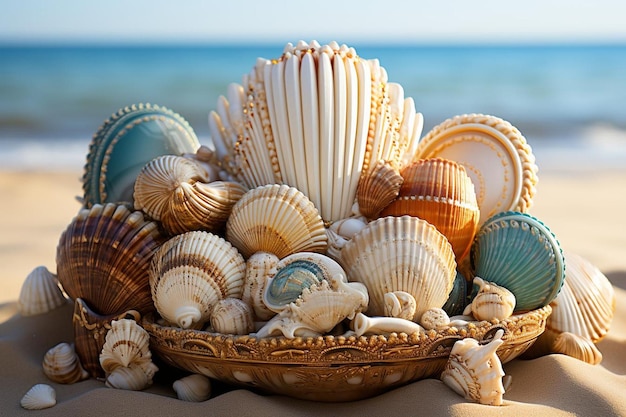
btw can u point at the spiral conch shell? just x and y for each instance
(315, 118)
(38, 397)
(177, 192)
(40, 293)
(474, 371)
(491, 302)
(190, 273)
(62, 365)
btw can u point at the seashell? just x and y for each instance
(377, 189)
(103, 257)
(401, 254)
(440, 192)
(362, 325)
(584, 309)
(90, 330)
(435, 318)
(497, 158)
(458, 298)
(259, 268)
(40, 293)
(491, 302)
(190, 273)
(348, 227)
(315, 119)
(125, 343)
(294, 274)
(136, 377)
(172, 190)
(38, 397)
(124, 143)
(520, 253)
(61, 364)
(195, 388)
(232, 316)
(474, 371)
(318, 309)
(400, 304)
(278, 219)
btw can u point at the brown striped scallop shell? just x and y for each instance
(377, 189)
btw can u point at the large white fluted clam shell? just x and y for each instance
(475, 371)
(401, 254)
(278, 219)
(38, 397)
(40, 293)
(315, 119)
(125, 343)
(190, 273)
(62, 365)
(194, 387)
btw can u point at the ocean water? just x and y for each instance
(569, 101)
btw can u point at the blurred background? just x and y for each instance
(554, 69)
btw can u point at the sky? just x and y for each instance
(262, 21)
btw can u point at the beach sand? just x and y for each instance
(586, 212)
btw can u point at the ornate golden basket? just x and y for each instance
(332, 368)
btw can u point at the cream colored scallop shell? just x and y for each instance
(40, 293)
(38, 397)
(491, 302)
(259, 268)
(401, 254)
(190, 273)
(232, 316)
(61, 364)
(474, 371)
(126, 343)
(315, 118)
(194, 388)
(172, 189)
(277, 219)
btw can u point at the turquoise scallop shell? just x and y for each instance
(519, 252)
(127, 141)
(458, 298)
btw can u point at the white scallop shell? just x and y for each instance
(401, 254)
(259, 268)
(315, 119)
(577, 347)
(278, 219)
(40, 396)
(232, 316)
(190, 273)
(126, 343)
(62, 365)
(194, 388)
(136, 377)
(474, 371)
(40, 293)
(491, 302)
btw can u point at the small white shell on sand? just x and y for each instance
(40, 396)
(193, 388)
(40, 293)
(61, 364)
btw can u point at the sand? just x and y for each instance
(586, 212)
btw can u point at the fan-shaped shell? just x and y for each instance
(190, 273)
(278, 219)
(496, 156)
(61, 364)
(401, 254)
(125, 343)
(520, 253)
(474, 371)
(377, 189)
(440, 192)
(194, 388)
(40, 293)
(124, 143)
(315, 119)
(38, 397)
(136, 377)
(259, 268)
(104, 255)
(232, 316)
(491, 302)
(172, 189)
(294, 274)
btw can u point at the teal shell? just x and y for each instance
(518, 252)
(458, 298)
(127, 141)
(289, 282)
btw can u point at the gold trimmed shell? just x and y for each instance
(40, 293)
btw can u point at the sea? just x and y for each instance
(569, 101)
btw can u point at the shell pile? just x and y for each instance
(316, 209)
